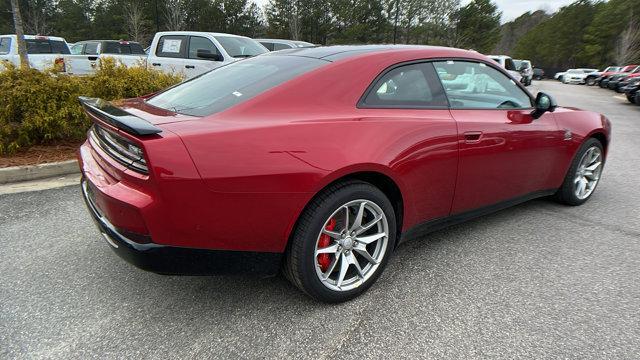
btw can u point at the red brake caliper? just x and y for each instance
(324, 260)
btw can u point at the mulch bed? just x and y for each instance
(42, 154)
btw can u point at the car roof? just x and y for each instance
(339, 52)
(276, 40)
(198, 33)
(118, 41)
(43, 37)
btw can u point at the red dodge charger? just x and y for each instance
(320, 161)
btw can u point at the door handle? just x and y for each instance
(156, 64)
(189, 66)
(471, 137)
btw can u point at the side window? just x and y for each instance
(471, 85)
(91, 49)
(278, 46)
(407, 86)
(77, 49)
(200, 43)
(173, 46)
(509, 64)
(268, 45)
(5, 45)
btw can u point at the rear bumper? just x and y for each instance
(164, 259)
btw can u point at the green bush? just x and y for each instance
(42, 107)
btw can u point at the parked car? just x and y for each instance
(574, 76)
(631, 90)
(268, 162)
(526, 71)
(43, 51)
(192, 53)
(603, 80)
(508, 64)
(560, 75)
(128, 53)
(593, 77)
(538, 74)
(281, 44)
(617, 81)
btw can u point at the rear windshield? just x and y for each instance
(232, 84)
(45, 46)
(123, 48)
(240, 47)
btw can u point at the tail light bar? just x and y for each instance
(120, 149)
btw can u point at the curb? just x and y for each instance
(35, 172)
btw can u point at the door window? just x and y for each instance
(5, 45)
(77, 49)
(173, 46)
(471, 85)
(268, 45)
(197, 42)
(91, 49)
(278, 46)
(407, 86)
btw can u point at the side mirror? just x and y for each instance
(207, 54)
(544, 103)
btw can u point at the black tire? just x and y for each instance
(565, 193)
(561, 79)
(632, 99)
(637, 98)
(300, 264)
(591, 81)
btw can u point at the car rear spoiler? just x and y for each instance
(117, 117)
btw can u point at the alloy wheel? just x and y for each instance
(351, 245)
(588, 173)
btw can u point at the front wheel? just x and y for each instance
(583, 175)
(631, 98)
(591, 81)
(342, 242)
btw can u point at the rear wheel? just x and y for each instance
(637, 98)
(342, 242)
(631, 98)
(591, 81)
(584, 174)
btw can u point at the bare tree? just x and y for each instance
(628, 47)
(36, 22)
(22, 45)
(294, 20)
(175, 14)
(135, 22)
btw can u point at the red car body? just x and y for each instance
(235, 183)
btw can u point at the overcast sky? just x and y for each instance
(511, 9)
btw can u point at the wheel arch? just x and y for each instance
(376, 177)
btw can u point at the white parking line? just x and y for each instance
(620, 97)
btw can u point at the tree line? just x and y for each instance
(587, 33)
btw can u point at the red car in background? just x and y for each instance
(320, 161)
(604, 79)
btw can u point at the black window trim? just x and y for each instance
(362, 105)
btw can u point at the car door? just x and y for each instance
(170, 54)
(408, 99)
(504, 152)
(195, 65)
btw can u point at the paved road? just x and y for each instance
(536, 281)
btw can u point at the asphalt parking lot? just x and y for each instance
(536, 281)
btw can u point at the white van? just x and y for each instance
(192, 53)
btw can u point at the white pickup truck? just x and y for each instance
(128, 53)
(192, 53)
(43, 51)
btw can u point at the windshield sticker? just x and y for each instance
(171, 46)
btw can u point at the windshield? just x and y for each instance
(232, 84)
(240, 47)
